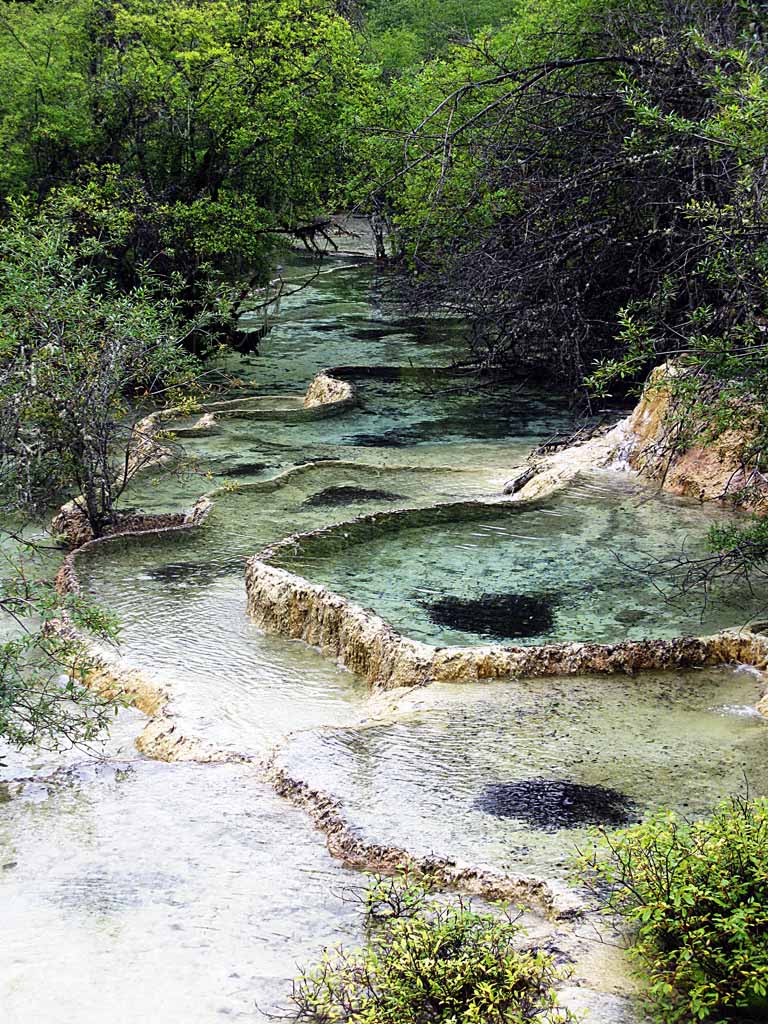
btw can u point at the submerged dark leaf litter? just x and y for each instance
(497, 616)
(196, 573)
(552, 804)
(348, 496)
(247, 468)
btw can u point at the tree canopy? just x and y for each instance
(189, 134)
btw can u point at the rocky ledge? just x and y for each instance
(290, 605)
(645, 441)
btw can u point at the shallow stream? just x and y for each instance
(188, 892)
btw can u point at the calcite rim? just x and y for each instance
(290, 605)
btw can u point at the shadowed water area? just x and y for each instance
(194, 881)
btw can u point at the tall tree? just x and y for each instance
(75, 354)
(192, 134)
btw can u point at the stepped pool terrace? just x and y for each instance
(511, 774)
(195, 880)
(596, 562)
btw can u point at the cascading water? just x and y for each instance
(189, 892)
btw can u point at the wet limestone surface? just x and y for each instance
(400, 423)
(156, 892)
(195, 882)
(182, 609)
(406, 417)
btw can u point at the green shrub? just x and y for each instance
(431, 963)
(697, 896)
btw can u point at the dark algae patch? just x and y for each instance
(247, 468)
(387, 439)
(196, 573)
(551, 804)
(497, 616)
(348, 496)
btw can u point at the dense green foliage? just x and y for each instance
(43, 696)
(707, 311)
(552, 183)
(426, 962)
(74, 352)
(401, 34)
(188, 134)
(581, 178)
(696, 894)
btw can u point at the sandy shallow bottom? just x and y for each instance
(425, 778)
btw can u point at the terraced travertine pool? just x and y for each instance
(433, 778)
(188, 892)
(594, 563)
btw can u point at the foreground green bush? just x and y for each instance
(428, 963)
(697, 894)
